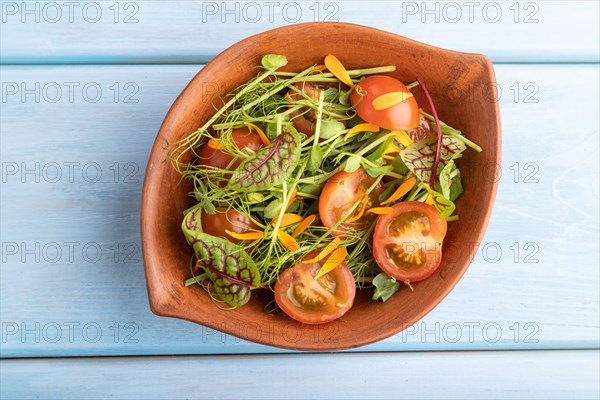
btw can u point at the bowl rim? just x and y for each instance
(155, 154)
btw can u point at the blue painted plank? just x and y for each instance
(145, 31)
(495, 375)
(71, 179)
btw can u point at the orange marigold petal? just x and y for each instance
(406, 186)
(215, 144)
(331, 246)
(363, 208)
(390, 99)
(264, 139)
(335, 259)
(380, 210)
(245, 236)
(320, 67)
(292, 198)
(337, 69)
(304, 224)
(287, 241)
(287, 220)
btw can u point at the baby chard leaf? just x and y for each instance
(419, 156)
(316, 158)
(377, 154)
(385, 286)
(231, 270)
(352, 163)
(450, 181)
(273, 209)
(269, 166)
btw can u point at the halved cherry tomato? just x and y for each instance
(226, 219)
(304, 119)
(422, 131)
(340, 193)
(242, 137)
(401, 116)
(315, 301)
(407, 244)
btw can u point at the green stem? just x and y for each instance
(374, 144)
(196, 279)
(352, 72)
(450, 131)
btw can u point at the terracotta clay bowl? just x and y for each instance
(463, 89)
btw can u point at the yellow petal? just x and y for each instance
(403, 138)
(287, 241)
(303, 225)
(287, 220)
(430, 200)
(215, 144)
(361, 128)
(264, 139)
(390, 99)
(334, 244)
(337, 69)
(392, 148)
(406, 186)
(245, 236)
(332, 262)
(380, 210)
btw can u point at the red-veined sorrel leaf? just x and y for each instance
(269, 166)
(231, 270)
(420, 155)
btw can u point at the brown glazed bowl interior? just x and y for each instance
(463, 88)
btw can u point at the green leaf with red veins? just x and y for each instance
(231, 270)
(419, 156)
(444, 206)
(269, 166)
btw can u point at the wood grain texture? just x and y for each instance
(506, 375)
(551, 303)
(195, 31)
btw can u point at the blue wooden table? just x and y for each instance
(85, 86)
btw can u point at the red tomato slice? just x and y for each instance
(242, 137)
(315, 301)
(304, 120)
(340, 193)
(226, 219)
(407, 244)
(422, 131)
(401, 116)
